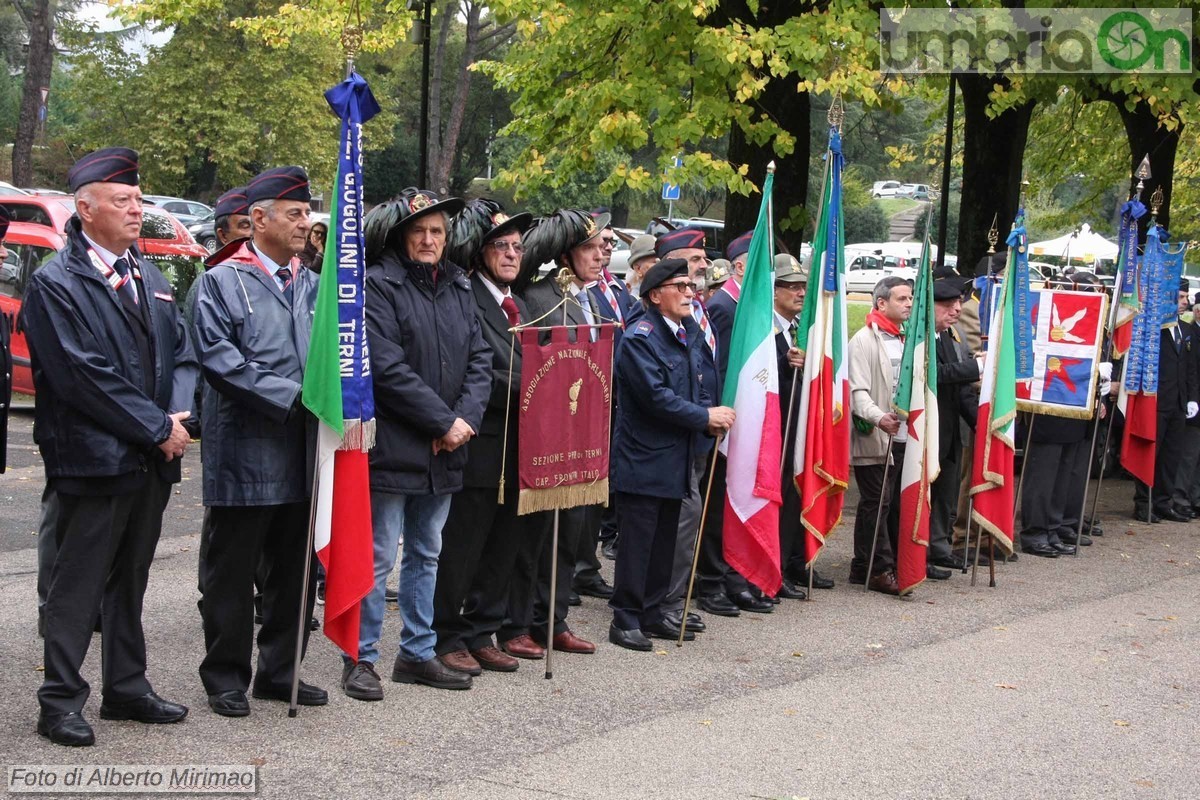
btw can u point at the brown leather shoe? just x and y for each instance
(492, 659)
(885, 582)
(524, 646)
(567, 642)
(461, 661)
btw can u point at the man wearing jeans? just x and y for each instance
(432, 377)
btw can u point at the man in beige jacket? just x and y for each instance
(879, 435)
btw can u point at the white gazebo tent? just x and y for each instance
(1084, 245)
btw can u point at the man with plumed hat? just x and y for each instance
(572, 240)
(432, 373)
(664, 408)
(257, 459)
(483, 536)
(115, 377)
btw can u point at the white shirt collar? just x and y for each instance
(782, 322)
(495, 291)
(673, 325)
(107, 256)
(267, 262)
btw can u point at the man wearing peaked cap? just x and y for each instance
(252, 346)
(231, 220)
(432, 372)
(115, 377)
(663, 409)
(641, 258)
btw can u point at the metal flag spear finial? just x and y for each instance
(1142, 174)
(352, 36)
(1156, 201)
(837, 112)
(993, 234)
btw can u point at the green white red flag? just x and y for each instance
(916, 402)
(753, 445)
(822, 449)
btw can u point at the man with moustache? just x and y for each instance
(115, 376)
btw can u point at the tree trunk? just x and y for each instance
(993, 154)
(1147, 136)
(791, 109)
(437, 71)
(442, 168)
(40, 23)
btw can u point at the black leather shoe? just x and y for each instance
(429, 673)
(969, 556)
(1141, 515)
(934, 572)
(597, 588)
(306, 694)
(609, 549)
(630, 640)
(1173, 515)
(789, 591)
(748, 602)
(361, 682)
(230, 704)
(664, 630)
(573, 599)
(857, 578)
(1184, 511)
(149, 708)
(1064, 549)
(69, 729)
(1071, 538)
(1040, 549)
(819, 581)
(718, 604)
(693, 621)
(949, 562)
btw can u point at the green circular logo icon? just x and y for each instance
(1124, 40)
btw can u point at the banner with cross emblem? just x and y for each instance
(1067, 335)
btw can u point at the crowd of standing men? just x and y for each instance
(119, 363)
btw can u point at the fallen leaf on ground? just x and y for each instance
(999, 628)
(791, 712)
(1146, 783)
(797, 654)
(1130, 533)
(660, 652)
(706, 722)
(1005, 686)
(1120, 723)
(257, 761)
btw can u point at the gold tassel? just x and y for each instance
(530, 501)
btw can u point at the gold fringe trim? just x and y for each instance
(530, 501)
(1054, 410)
(358, 434)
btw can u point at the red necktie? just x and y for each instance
(681, 335)
(509, 306)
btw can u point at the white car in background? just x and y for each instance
(885, 188)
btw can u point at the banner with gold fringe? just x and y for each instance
(1068, 332)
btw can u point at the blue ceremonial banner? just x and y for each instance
(1018, 270)
(833, 232)
(1172, 256)
(1141, 369)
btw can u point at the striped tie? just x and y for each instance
(705, 328)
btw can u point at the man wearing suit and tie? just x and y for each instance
(483, 535)
(791, 284)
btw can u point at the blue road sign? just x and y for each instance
(670, 191)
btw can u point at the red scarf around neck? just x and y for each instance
(875, 317)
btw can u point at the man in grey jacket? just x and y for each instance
(252, 346)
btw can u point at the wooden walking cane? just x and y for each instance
(687, 600)
(887, 465)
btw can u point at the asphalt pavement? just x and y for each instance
(1072, 678)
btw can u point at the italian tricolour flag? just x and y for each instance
(753, 445)
(916, 402)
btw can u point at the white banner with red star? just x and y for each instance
(1068, 332)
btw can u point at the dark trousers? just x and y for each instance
(105, 546)
(791, 532)
(713, 574)
(874, 495)
(572, 524)
(587, 564)
(517, 611)
(237, 539)
(1075, 474)
(1049, 497)
(943, 505)
(47, 543)
(481, 542)
(1172, 431)
(649, 528)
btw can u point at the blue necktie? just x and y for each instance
(681, 335)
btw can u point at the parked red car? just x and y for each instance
(37, 233)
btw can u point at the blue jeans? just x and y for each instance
(419, 520)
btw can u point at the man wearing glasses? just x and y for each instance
(664, 408)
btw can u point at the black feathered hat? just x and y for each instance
(550, 237)
(478, 223)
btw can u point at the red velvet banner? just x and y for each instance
(565, 418)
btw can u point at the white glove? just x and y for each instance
(980, 361)
(1105, 369)
(1105, 386)
(1192, 409)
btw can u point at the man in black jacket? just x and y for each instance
(958, 402)
(432, 373)
(115, 376)
(483, 536)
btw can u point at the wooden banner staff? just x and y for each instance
(887, 465)
(687, 600)
(352, 36)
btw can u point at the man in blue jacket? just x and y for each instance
(663, 409)
(115, 377)
(432, 373)
(256, 482)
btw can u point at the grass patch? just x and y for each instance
(895, 205)
(856, 317)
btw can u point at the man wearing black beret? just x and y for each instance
(664, 408)
(115, 377)
(256, 484)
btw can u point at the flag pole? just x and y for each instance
(302, 622)
(550, 606)
(967, 540)
(687, 600)
(1024, 454)
(887, 465)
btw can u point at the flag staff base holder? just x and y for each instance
(887, 466)
(302, 621)
(553, 592)
(687, 600)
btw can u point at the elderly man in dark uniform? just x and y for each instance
(255, 450)
(664, 407)
(432, 377)
(115, 377)
(483, 535)
(231, 221)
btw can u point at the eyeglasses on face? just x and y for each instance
(683, 286)
(502, 246)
